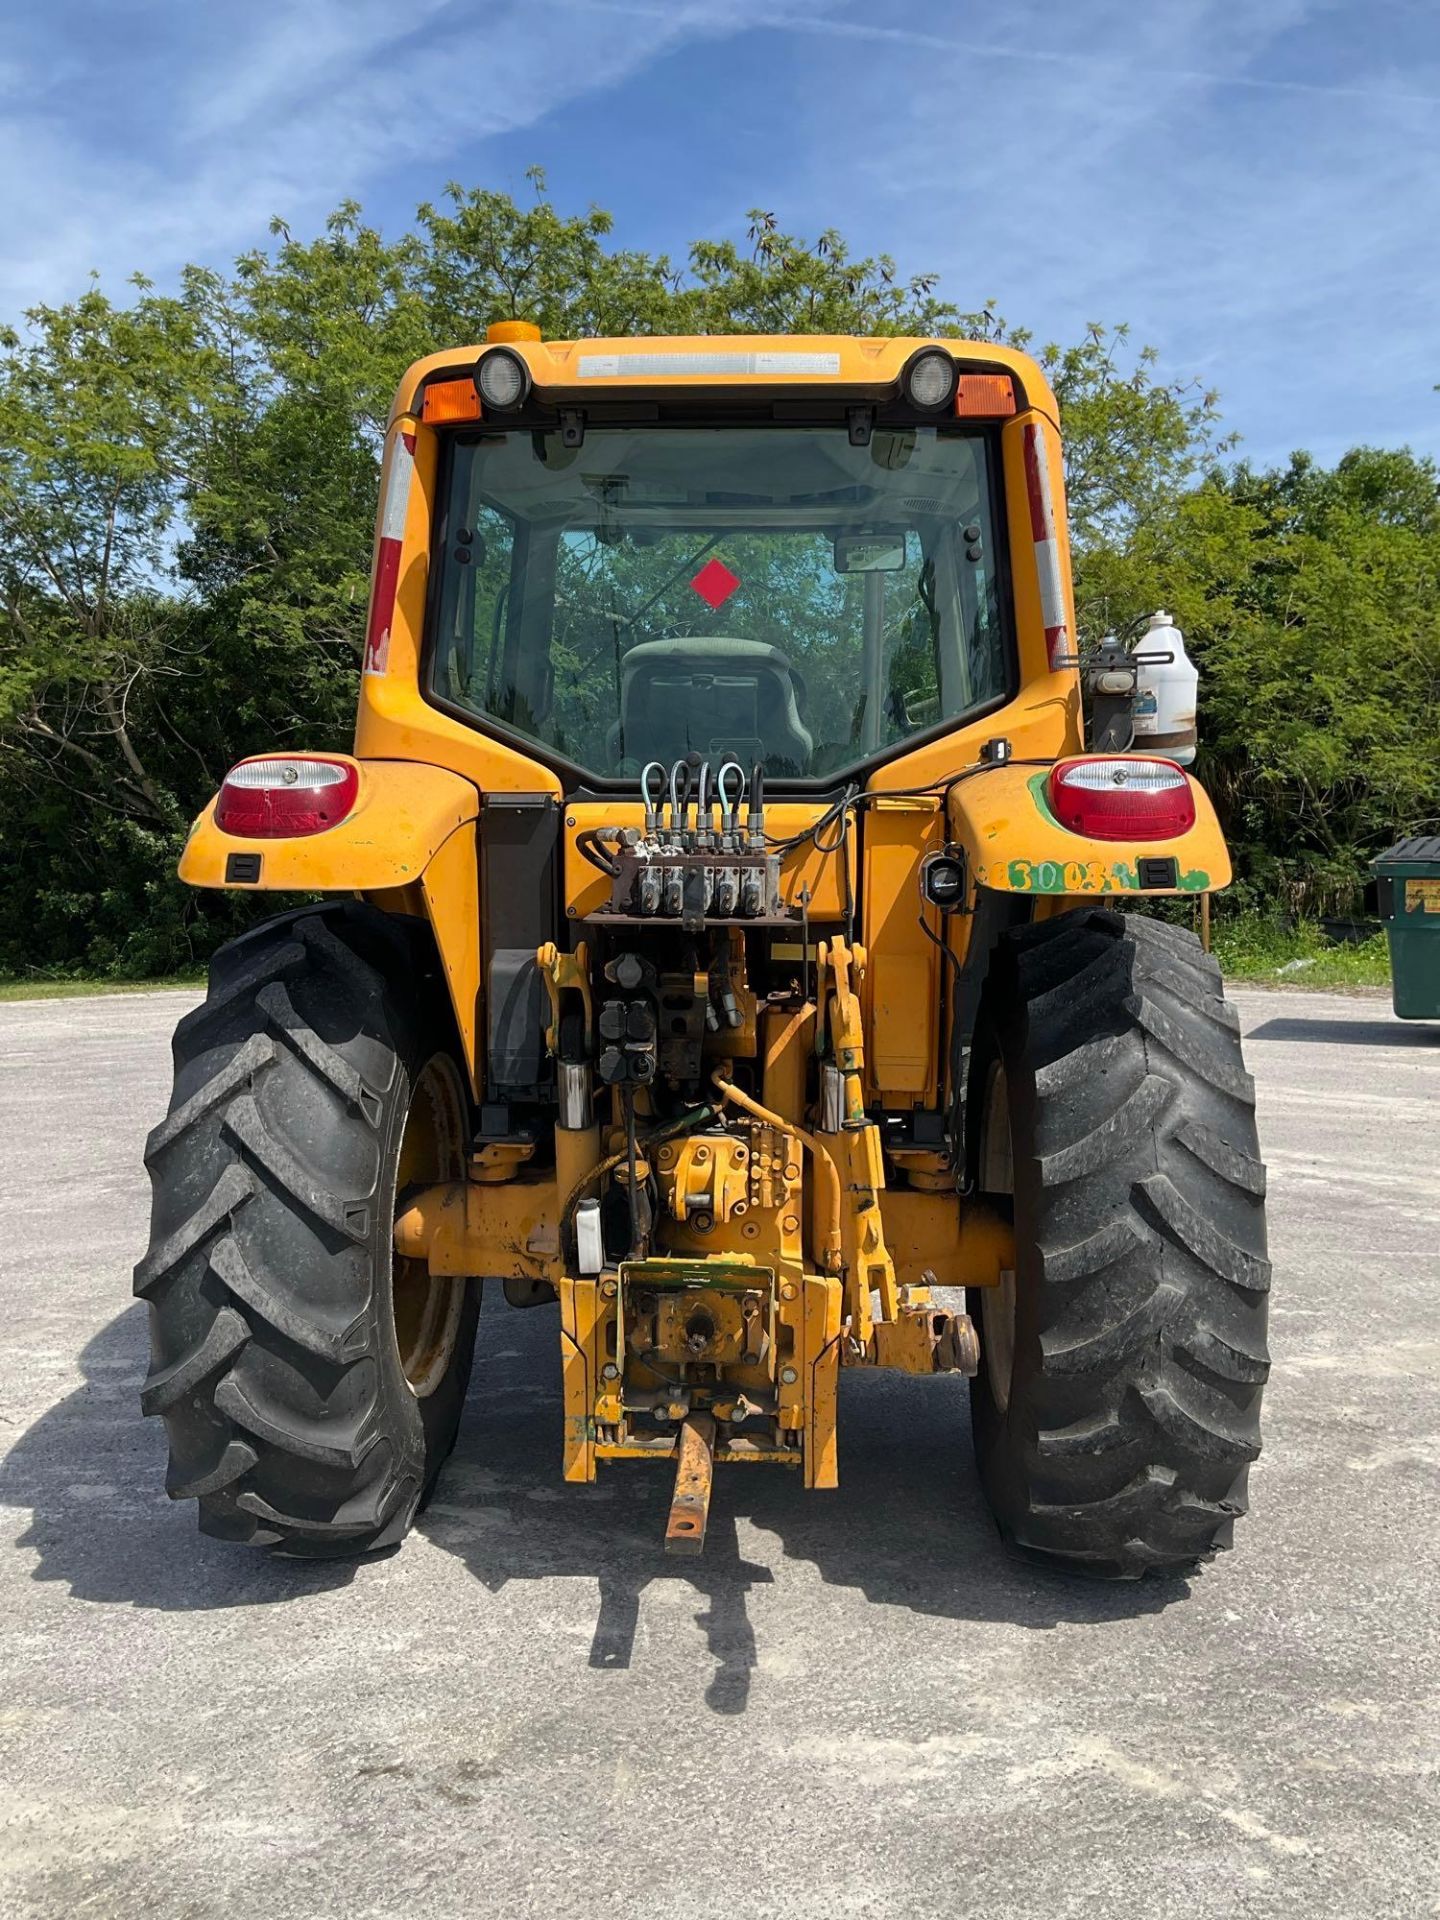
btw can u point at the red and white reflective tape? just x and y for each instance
(387, 553)
(1047, 548)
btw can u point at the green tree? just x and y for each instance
(328, 326)
(1310, 600)
(187, 492)
(99, 407)
(1133, 442)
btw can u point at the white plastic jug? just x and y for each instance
(1165, 693)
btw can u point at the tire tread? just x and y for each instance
(261, 1289)
(1140, 1187)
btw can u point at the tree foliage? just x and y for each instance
(187, 488)
(1311, 604)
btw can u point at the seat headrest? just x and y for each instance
(712, 694)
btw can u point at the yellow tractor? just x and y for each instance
(720, 937)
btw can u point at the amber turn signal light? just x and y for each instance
(988, 396)
(447, 400)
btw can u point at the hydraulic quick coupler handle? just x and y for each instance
(727, 877)
(654, 798)
(752, 881)
(672, 894)
(700, 882)
(648, 882)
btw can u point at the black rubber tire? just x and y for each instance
(1141, 1276)
(275, 1361)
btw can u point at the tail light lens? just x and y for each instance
(1125, 798)
(275, 799)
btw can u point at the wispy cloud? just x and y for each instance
(831, 27)
(1256, 219)
(204, 137)
(1252, 186)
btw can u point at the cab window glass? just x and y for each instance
(772, 593)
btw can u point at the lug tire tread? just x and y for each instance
(280, 1405)
(1141, 1255)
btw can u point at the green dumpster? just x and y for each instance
(1409, 885)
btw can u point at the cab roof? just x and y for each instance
(810, 361)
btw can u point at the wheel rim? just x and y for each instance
(427, 1307)
(997, 1175)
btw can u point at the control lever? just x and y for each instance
(673, 885)
(652, 805)
(752, 892)
(700, 895)
(647, 886)
(727, 878)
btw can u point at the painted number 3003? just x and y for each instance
(1058, 876)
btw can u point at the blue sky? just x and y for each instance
(1253, 184)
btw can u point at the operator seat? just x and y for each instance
(715, 695)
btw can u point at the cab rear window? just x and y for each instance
(772, 593)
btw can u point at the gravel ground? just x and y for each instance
(853, 1704)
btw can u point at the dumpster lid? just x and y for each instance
(1418, 849)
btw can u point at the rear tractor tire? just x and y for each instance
(311, 1381)
(1116, 1409)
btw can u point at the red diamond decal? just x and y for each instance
(715, 583)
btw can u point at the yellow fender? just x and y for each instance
(1014, 844)
(409, 839)
(403, 814)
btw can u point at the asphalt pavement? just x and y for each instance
(853, 1704)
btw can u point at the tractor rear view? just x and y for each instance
(727, 945)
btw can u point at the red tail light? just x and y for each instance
(277, 799)
(1125, 798)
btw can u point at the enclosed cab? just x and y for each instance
(735, 951)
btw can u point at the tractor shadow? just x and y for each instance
(907, 1527)
(1348, 1033)
(92, 1473)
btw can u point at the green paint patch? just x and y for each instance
(1083, 876)
(1038, 783)
(1060, 876)
(1092, 876)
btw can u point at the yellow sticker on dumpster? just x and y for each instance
(1422, 896)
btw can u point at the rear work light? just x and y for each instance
(929, 380)
(275, 799)
(503, 379)
(1124, 798)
